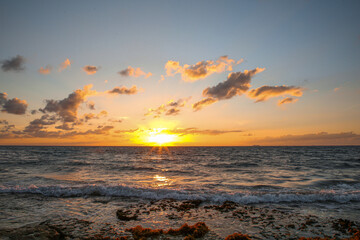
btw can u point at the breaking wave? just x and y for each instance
(244, 197)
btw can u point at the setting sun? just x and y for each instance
(159, 138)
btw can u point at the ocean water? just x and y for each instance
(41, 183)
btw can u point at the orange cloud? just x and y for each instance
(90, 70)
(64, 65)
(287, 100)
(265, 92)
(45, 70)
(200, 70)
(203, 103)
(134, 72)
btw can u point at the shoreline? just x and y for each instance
(222, 220)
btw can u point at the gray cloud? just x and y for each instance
(40, 123)
(236, 84)
(13, 106)
(67, 108)
(15, 64)
(124, 90)
(265, 92)
(5, 127)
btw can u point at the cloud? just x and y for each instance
(124, 90)
(65, 127)
(64, 65)
(170, 108)
(5, 127)
(14, 64)
(45, 70)
(67, 108)
(194, 131)
(236, 84)
(203, 103)
(200, 70)
(41, 133)
(265, 92)
(90, 70)
(90, 105)
(336, 89)
(13, 106)
(40, 123)
(89, 116)
(134, 72)
(287, 100)
(321, 138)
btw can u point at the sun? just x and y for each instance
(158, 137)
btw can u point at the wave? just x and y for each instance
(245, 197)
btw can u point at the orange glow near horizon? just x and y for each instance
(158, 133)
(157, 138)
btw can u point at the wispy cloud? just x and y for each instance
(196, 131)
(203, 103)
(321, 138)
(90, 70)
(265, 92)
(64, 65)
(134, 72)
(124, 90)
(170, 108)
(15, 64)
(287, 100)
(45, 70)
(200, 70)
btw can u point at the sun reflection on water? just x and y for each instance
(161, 181)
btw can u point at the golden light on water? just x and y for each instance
(162, 181)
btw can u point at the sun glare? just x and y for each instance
(159, 138)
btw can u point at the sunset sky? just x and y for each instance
(183, 73)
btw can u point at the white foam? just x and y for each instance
(245, 197)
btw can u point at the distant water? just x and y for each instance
(327, 178)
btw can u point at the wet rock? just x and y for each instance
(343, 225)
(30, 232)
(126, 215)
(187, 205)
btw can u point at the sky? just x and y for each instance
(180, 73)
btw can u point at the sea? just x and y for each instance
(45, 183)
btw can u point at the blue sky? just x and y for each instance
(311, 44)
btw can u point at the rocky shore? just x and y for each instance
(173, 219)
